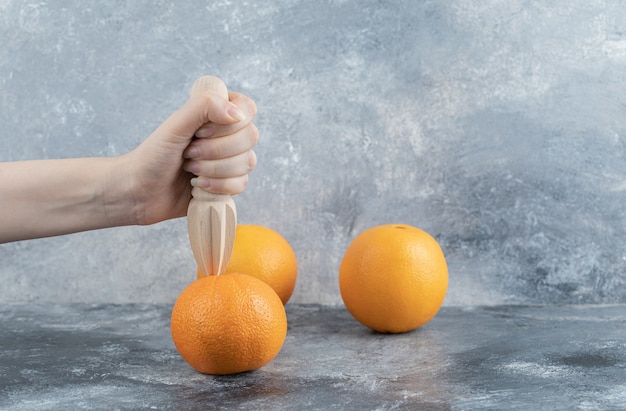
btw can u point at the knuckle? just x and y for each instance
(240, 185)
(252, 160)
(254, 134)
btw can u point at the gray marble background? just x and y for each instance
(497, 126)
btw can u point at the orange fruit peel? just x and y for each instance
(393, 278)
(263, 253)
(227, 324)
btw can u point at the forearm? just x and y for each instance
(45, 198)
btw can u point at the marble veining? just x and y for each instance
(56, 357)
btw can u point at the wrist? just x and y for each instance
(118, 192)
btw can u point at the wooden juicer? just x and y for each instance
(211, 217)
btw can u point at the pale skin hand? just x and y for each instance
(43, 198)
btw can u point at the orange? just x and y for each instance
(393, 278)
(263, 253)
(227, 324)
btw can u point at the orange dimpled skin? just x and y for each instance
(263, 253)
(393, 278)
(228, 324)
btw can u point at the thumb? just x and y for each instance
(198, 111)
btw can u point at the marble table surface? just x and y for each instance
(67, 357)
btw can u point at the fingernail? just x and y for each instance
(204, 132)
(192, 167)
(192, 152)
(236, 113)
(203, 182)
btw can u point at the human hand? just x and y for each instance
(43, 198)
(209, 137)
